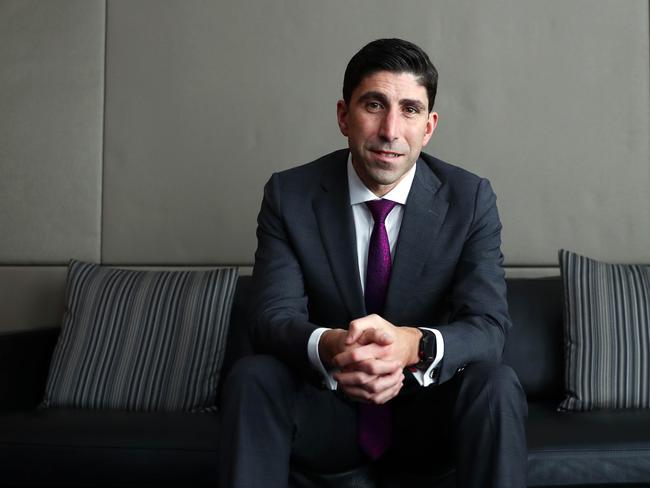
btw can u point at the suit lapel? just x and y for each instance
(336, 225)
(424, 213)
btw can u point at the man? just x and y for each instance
(379, 313)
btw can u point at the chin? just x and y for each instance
(387, 173)
(384, 179)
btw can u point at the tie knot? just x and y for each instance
(380, 209)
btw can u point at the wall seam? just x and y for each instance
(172, 264)
(103, 150)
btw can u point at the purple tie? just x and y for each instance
(375, 427)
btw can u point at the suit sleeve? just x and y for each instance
(279, 322)
(479, 320)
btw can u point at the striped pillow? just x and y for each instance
(141, 340)
(607, 334)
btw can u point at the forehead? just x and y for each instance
(395, 86)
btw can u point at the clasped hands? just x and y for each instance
(370, 357)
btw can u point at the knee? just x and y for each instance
(494, 375)
(257, 373)
(498, 381)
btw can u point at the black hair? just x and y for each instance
(396, 56)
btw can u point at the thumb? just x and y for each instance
(374, 336)
(355, 330)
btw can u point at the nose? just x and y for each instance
(389, 128)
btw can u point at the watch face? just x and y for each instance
(427, 350)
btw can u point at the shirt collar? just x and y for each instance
(359, 193)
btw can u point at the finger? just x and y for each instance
(383, 383)
(381, 337)
(356, 328)
(363, 353)
(353, 378)
(356, 393)
(377, 367)
(363, 396)
(387, 395)
(374, 389)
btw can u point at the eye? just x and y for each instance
(373, 106)
(411, 110)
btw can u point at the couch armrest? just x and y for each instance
(24, 361)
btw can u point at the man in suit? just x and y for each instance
(379, 314)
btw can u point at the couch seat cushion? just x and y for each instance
(108, 448)
(581, 448)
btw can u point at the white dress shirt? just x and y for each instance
(363, 225)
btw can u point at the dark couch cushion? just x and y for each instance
(599, 447)
(108, 448)
(24, 361)
(534, 344)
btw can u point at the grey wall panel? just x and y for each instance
(32, 297)
(550, 101)
(51, 101)
(204, 100)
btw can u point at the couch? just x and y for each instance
(114, 448)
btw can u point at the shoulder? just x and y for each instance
(456, 184)
(306, 178)
(450, 174)
(315, 169)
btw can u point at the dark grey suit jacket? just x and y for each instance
(447, 268)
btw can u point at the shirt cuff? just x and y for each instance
(315, 361)
(430, 376)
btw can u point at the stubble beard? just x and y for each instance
(384, 179)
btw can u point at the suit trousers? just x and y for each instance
(272, 418)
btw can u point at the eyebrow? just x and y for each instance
(380, 97)
(374, 95)
(408, 102)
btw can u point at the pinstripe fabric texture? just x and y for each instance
(141, 340)
(607, 334)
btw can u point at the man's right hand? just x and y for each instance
(331, 343)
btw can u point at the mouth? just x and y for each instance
(386, 154)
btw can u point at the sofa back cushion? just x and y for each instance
(533, 348)
(534, 344)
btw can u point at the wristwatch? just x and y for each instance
(426, 350)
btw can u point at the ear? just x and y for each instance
(342, 116)
(432, 123)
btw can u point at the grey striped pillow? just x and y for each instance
(607, 334)
(141, 340)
